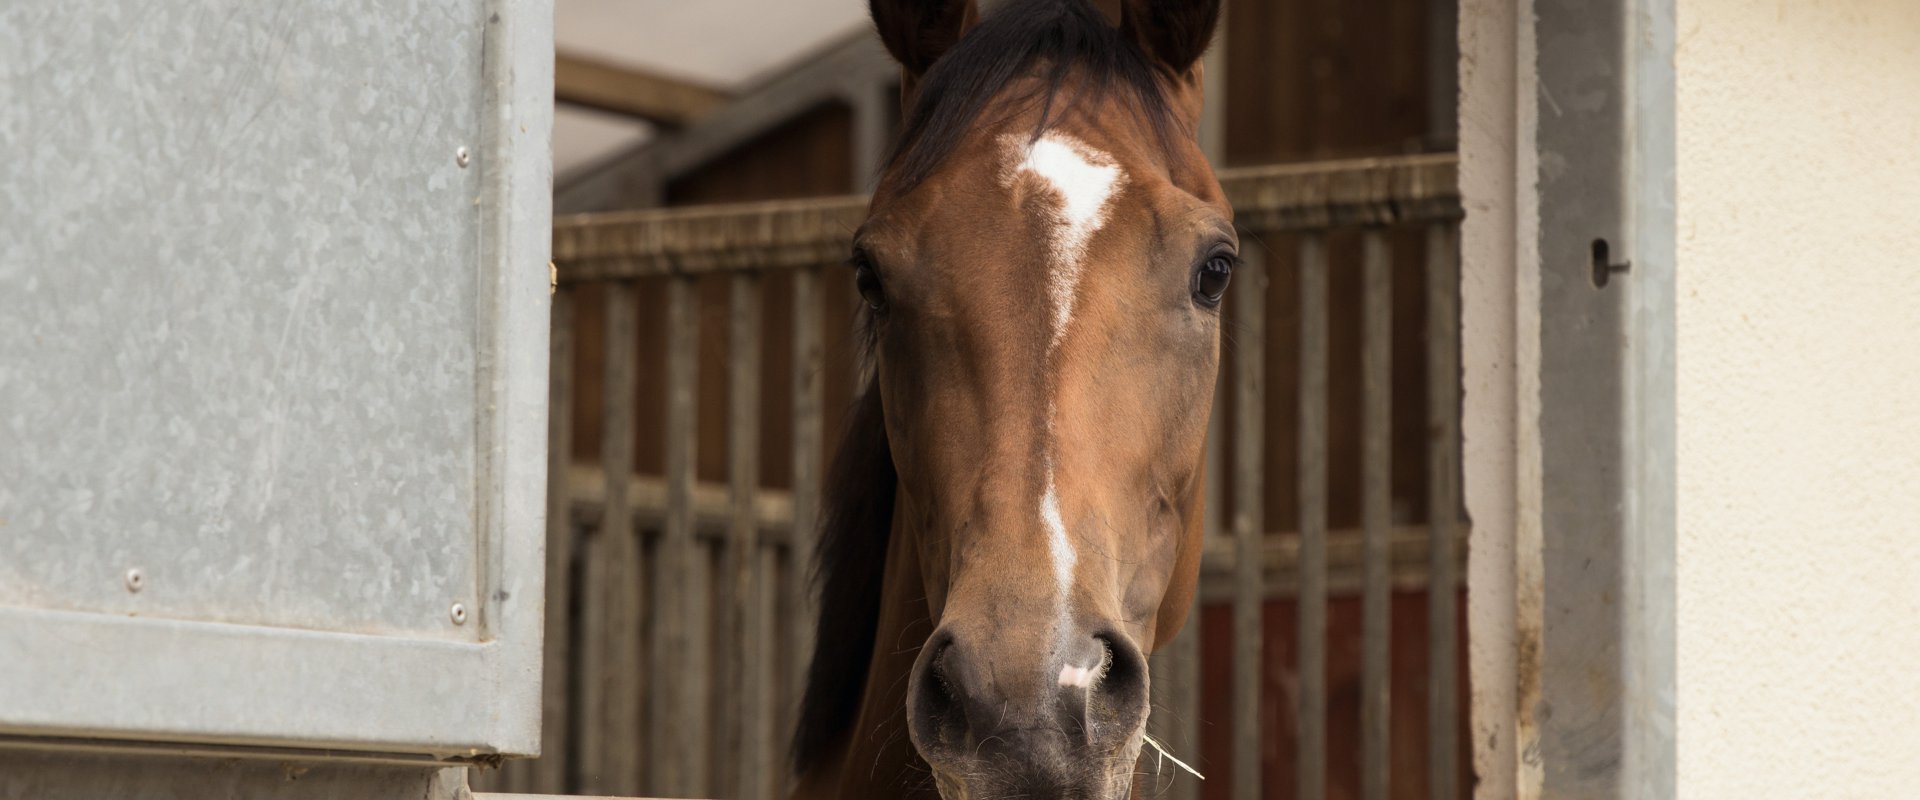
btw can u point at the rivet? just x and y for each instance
(135, 580)
(462, 157)
(459, 614)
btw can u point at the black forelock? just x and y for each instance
(1066, 38)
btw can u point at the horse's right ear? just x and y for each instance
(918, 32)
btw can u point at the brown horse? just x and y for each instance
(1013, 519)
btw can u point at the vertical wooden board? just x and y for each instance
(548, 774)
(1300, 92)
(804, 157)
(1248, 520)
(710, 446)
(1376, 511)
(1344, 657)
(1311, 627)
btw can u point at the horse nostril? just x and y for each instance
(1118, 700)
(937, 716)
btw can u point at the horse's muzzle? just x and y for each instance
(1064, 724)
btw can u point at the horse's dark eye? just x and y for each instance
(1210, 280)
(868, 282)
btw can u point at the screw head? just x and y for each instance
(135, 580)
(462, 157)
(458, 613)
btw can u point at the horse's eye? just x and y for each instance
(868, 282)
(1210, 280)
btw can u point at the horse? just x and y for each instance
(1012, 521)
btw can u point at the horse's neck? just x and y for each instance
(876, 759)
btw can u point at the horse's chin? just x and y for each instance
(990, 780)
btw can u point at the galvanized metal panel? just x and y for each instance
(1606, 675)
(273, 360)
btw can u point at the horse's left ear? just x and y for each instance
(1174, 32)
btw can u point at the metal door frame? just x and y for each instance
(1568, 326)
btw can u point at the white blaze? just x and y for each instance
(1082, 182)
(1058, 547)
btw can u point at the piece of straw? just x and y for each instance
(1162, 750)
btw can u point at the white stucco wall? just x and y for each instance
(1799, 398)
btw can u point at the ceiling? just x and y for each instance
(724, 44)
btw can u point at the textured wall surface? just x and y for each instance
(1799, 399)
(1491, 99)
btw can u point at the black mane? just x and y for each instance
(1068, 37)
(1018, 36)
(848, 570)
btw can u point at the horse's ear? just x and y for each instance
(1174, 32)
(918, 32)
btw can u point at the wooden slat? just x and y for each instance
(1376, 433)
(1249, 317)
(1345, 563)
(1443, 463)
(674, 704)
(790, 234)
(623, 598)
(753, 723)
(712, 507)
(808, 390)
(628, 91)
(1311, 625)
(548, 773)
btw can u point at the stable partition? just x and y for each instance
(685, 480)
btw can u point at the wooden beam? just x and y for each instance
(631, 179)
(582, 81)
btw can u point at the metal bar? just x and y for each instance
(808, 389)
(767, 677)
(621, 552)
(1311, 625)
(794, 234)
(1249, 317)
(589, 728)
(548, 773)
(1443, 463)
(672, 747)
(749, 695)
(1376, 448)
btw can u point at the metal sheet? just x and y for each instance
(273, 339)
(1604, 711)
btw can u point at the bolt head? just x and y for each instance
(135, 580)
(458, 613)
(462, 157)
